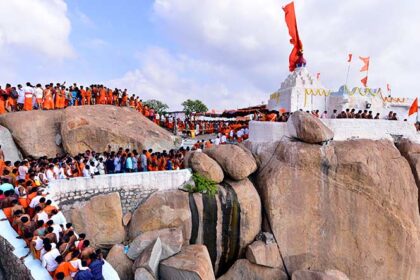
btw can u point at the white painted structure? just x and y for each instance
(344, 129)
(301, 90)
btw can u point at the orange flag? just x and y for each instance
(364, 81)
(290, 16)
(350, 57)
(366, 63)
(414, 107)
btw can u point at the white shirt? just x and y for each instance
(217, 141)
(48, 260)
(58, 219)
(22, 172)
(42, 216)
(38, 92)
(21, 96)
(86, 173)
(223, 140)
(57, 230)
(35, 201)
(39, 243)
(43, 252)
(50, 175)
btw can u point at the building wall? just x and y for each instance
(133, 188)
(343, 129)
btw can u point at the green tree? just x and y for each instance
(196, 106)
(157, 105)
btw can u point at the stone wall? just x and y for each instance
(343, 129)
(13, 268)
(133, 188)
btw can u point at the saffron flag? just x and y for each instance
(364, 81)
(366, 61)
(350, 57)
(290, 16)
(414, 107)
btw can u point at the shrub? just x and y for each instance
(202, 185)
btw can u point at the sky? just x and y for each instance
(227, 53)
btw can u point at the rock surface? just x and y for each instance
(167, 209)
(234, 160)
(171, 240)
(96, 127)
(100, 218)
(149, 258)
(307, 128)
(319, 275)
(205, 166)
(245, 270)
(8, 146)
(35, 132)
(264, 254)
(142, 274)
(411, 151)
(120, 262)
(193, 262)
(346, 197)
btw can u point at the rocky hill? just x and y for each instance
(76, 129)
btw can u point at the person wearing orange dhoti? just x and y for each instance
(110, 97)
(11, 97)
(2, 105)
(95, 94)
(83, 95)
(102, 96)
(27, 104)
(88, 96)
(124, 99)
(48, 102)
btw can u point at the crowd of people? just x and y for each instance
(275, 116)
(63, 253)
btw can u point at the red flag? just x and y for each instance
(290, 16)
(350, 57)
(364, 81)
(366, 61)
(388, 87)
(318, 75)
(414, 107)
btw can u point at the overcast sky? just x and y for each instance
(228, 53)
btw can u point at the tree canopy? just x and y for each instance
(157, 105)
(196, 106)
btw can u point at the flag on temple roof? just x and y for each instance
(388, 87)
(350, 57)
(364, 81)
(366, 61)
(414, 107)
(290, 16)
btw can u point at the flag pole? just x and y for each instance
(347, 75)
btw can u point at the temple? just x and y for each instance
(302, 90)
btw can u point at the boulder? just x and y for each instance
(127, 218)
(35, 132)
(8, 146)
(344, 206)
(142, 274)
(120, 262)
(245, 270)
(234, 160)
(96, 127)
(205, 166)
(100, 218)
(193, 263)
(319, 275)
(171, 241)
(264, 254)
(226, 223)
(149, 258)
(411, 151)
(163, 209)
(307, 128)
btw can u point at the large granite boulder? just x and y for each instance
(166, 209)
(171, 242)
(149, 258)
(319, 275)
(264, 254)
(8, 146)
(100, 218)
(193, 262)
(143, 274)
(411, 151)
(120, 262)
(343, 206)
(307, 128)
(245, 270)
(226, 223)
(37, 133)
(234, 160)
(96, 127)
(205, 166)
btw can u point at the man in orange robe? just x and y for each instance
(48, 103)
(102, 96)
(83, 94)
